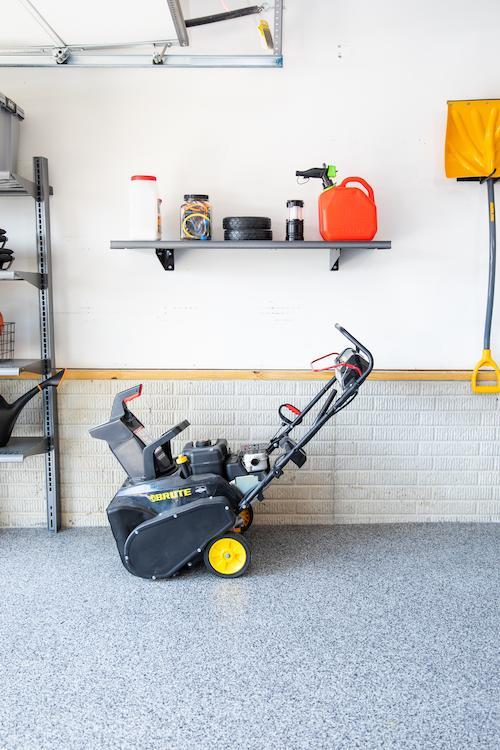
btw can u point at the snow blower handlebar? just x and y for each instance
(358, 363)
(359, 346)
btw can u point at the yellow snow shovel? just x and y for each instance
(472, 153)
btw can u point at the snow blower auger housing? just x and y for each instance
(171, 514)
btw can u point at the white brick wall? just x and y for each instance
(403, 451)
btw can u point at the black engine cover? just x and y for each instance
(207, 457)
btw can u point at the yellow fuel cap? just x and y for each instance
(182, 459)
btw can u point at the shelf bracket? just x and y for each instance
(166, 258)
(36, 279)
(334, 258)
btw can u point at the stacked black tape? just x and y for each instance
(6, 255)
(241, 228)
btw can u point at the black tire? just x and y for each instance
(246, 222)
(246, 516)
(240, 235)
(216, 565)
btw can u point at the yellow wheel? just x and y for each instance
(228, 555)
(246, 519)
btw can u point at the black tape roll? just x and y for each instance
(246, 222)
(239, 235)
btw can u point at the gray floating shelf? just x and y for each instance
(14, 367)
(14, 184)
(165, 249)
(37, 279)
(19, 448)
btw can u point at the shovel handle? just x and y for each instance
(486, 361)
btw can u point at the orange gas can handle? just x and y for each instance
(366, 186)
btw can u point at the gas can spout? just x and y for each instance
(326, 174)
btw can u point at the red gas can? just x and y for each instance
(348, 213)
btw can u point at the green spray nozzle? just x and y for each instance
(326, 174)
(331, 171)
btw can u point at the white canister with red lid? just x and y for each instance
(144, 208)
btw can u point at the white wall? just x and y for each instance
(364, 86)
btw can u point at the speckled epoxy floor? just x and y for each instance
(339, 637)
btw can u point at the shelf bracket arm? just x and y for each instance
(334, 258)
(166, 258)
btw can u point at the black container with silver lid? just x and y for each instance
(295, 221)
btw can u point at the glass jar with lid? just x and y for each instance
(196, 217)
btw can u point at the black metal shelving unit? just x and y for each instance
(166, 249)
(20, 448)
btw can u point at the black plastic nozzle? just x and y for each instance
(321, 173)
(53, 381)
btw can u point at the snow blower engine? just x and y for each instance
(171, 514)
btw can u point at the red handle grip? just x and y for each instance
(291, 408)
(366, 186)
